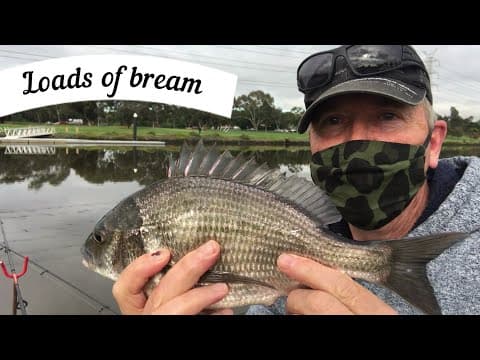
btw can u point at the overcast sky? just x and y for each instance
(272, 68)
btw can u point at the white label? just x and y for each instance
(116, 77)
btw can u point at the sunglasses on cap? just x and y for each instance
(317, 70)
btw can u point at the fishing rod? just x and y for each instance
(88, 299)
(79, 293)
(17, 294)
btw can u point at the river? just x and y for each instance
(51, 197)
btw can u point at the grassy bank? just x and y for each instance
(172, 135)
(461, 140)
(179, 135)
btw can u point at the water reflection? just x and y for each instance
(18, 149)
(39, 165)
(143, 165)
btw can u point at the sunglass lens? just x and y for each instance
(369, 59)
(315, 71)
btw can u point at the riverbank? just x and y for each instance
(178, 136)
(50, 141)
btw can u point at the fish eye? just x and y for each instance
(97, 237)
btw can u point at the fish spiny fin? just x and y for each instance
(317, 204)
(233, 166)
(245, 170)
(182, 161)
(196, 158)
(210, 163)
(220, 164)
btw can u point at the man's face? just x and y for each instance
(367, 117)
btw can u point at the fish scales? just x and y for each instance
(252, 226)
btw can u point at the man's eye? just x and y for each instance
(388, 116)
(329, 124)
(332, 120)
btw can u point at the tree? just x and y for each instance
(456, 122)
(274, 116)
(297, 113)
(252, 105)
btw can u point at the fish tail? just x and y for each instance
(408, 275)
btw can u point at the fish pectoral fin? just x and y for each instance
(227, 277)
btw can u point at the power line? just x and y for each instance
(287, 50)
(16, 57)
(17, 294)
(253, 51)
(264, 83)
(24, 53)
(269, 65)
(229, 66)
(44, 272)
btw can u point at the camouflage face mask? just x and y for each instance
(370, 182)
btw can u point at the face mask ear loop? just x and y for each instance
(428, 138)
(426, 143)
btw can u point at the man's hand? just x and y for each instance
(174, 293)
(332, 292)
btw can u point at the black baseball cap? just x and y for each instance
(394, 71)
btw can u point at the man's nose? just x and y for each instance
(360, 130)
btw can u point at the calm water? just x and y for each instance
(51, 198)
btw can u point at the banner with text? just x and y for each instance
(116, 77)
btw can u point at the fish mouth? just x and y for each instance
(87, 260)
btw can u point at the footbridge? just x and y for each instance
(29, 132)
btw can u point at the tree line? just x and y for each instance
(255, 110)
(459, 126)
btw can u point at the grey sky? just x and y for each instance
(272, 68)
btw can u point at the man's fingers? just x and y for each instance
(311, 302)
(317, 276)
(185, 274)
(134, 277)
(193, 301)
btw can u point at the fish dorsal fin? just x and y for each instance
(195, 160)
(210, 163)
(181, 162)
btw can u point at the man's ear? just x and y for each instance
(438, 136)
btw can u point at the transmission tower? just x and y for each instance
(430, 61)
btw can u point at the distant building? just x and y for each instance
(75, 121)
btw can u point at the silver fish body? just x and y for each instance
(254, 217)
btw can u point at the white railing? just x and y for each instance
(15, 133)
(29, 150)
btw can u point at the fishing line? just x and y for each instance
(44, 272)
(18, 301)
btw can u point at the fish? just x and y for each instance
(255, 213)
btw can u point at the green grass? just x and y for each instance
(461, 140)
(116, 132)
(148, 133)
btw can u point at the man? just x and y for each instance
(375, 146)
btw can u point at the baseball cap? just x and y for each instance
(394, 71)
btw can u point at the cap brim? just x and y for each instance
(395, 90)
